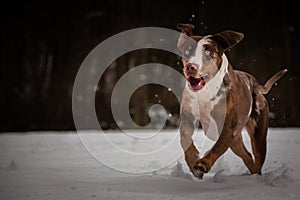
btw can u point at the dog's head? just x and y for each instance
(202, 55)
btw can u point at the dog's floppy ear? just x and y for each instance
(228, 39)
(186, 28)
(186, 39)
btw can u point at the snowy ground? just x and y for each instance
(56, 166)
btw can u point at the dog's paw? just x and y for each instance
(201, 166)
(198, 174)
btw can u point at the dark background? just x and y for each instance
(43, 44)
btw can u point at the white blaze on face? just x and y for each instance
(198, 57)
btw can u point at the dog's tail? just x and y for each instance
(268, 85)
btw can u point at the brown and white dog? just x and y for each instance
(224, 101)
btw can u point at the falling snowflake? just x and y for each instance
(142, 77)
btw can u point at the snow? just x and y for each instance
(55, 165)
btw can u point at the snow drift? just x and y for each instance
(51, 165)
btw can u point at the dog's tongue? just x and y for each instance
(196, 83)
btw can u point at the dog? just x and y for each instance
(224, 100)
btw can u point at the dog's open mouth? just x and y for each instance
(197, 83)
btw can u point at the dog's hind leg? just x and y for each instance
(240, 150)
(257, 128)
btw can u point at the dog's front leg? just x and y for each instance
(190, 151)
(204, 164)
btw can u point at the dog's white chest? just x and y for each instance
(203, 105)
(204, 101)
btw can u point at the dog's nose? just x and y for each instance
(190, 67)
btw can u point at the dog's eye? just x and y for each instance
(207, 52)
